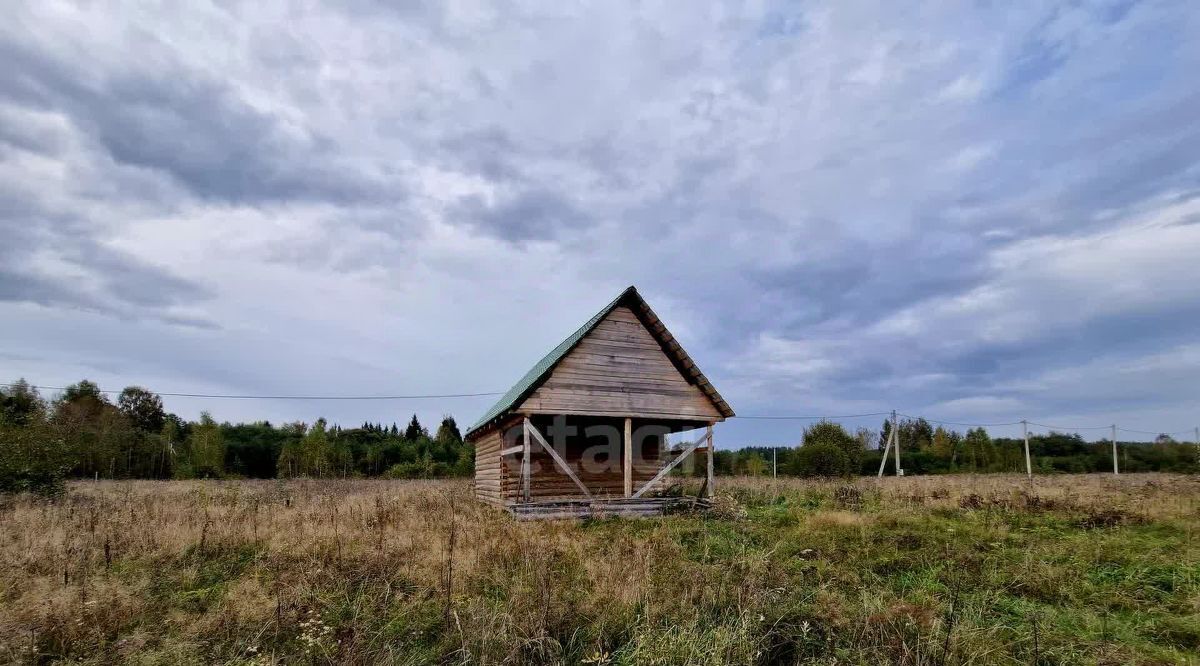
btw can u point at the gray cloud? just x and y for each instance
(961, 212)
(528, 215)
(191, 127)
(19, 287)
(101, 280)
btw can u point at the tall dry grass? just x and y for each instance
(785, 571)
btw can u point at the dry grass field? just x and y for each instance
(939, 570)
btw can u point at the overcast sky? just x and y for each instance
(978, 212)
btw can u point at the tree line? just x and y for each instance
(81, 433)
(828, 449)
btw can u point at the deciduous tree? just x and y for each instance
(143, 409)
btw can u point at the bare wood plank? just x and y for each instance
(622, 354)
(628, 466)
(629, 327)
(648, 394)
(597, 378)
(625, 364)
(596, 364)
(632, 326)
(586, 387)
(622, 312)
(620, 408)
(626, 353)
(709, 439)
(620, 396)
(616, 383)
(666, 416)
(625, 330)
(607, 338)
(512, 449)
(631, 373)
(608, 367)
(525, 460)
(606, 407)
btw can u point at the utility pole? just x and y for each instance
(1114, 430)
(896, 435)
(774, 466)
(886, 450)
(1025, 433)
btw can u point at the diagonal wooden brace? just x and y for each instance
(557, 458)
(666, 470)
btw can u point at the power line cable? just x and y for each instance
(812, 418)
(1148, 432)
(291, 397)
(959, 423)
(1060, 427)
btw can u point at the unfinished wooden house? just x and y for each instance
(584, 432)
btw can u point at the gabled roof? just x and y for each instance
(634, 301)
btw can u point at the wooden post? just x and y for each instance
(525, 460)
(710, 460)
(886, 450)
(1115, 470)
(628, 457)
(774, 464)
(896, 443)
(1025, 433)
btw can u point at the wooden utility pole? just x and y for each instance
(887, 448)
(774, 465)
(1025, 434)
(895, 429)
(1114, 430)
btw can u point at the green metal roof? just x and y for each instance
(543, 367)
(514, 394)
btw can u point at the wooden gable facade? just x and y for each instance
(587, 425)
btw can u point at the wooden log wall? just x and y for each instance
(547, 480)
(488, 470)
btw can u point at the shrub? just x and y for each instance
(833, 434)
(32, 459)
(821, 459)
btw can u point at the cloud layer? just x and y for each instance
(977, 213)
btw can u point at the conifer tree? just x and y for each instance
(415, 430)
